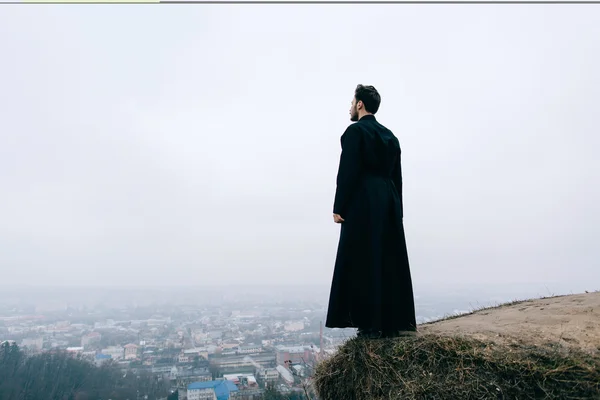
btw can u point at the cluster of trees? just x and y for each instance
(61, 376)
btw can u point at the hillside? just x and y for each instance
(545, 348)
(572, 321)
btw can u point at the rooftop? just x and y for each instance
(222, 387)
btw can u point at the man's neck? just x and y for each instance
(365, 114)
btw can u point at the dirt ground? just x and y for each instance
(572, 321)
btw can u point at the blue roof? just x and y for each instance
(222, 387)
(102, 356)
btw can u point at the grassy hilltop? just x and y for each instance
(536, 349)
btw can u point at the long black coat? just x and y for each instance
(372, 285)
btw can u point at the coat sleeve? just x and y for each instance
(397, 177)
(349, 169)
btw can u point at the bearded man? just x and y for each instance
(371, 288)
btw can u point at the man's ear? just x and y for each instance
(359, 105)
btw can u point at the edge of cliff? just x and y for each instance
(542, 348)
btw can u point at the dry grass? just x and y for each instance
(442, 367)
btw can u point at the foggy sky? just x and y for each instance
(149, 145)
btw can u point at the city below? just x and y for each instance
(207, 343)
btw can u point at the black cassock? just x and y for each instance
(372, 286)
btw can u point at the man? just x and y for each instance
(372, 287)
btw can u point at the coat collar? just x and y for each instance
(368, 117)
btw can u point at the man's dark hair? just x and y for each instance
(369, 96)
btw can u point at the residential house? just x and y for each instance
(131, 351)
(211, 390)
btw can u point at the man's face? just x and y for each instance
(354, 111)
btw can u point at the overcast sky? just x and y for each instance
(180, 145)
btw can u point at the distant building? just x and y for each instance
(241, 363)
(188, 375)
(74, 350)
(197, 351)
(245, 380)
(90, 339)
(211, 390)
(163, 369)
(158, 322)
(115, 352)
(268, 375)
(294, 326)
(184, 358)
(204, 393)
(131, 351)
(249, 349)
(228, 346)
(295, 354)
(286, 375)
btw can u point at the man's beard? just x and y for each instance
(354, 114)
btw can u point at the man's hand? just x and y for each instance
(337, 218)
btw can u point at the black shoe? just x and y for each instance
(368, 333)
